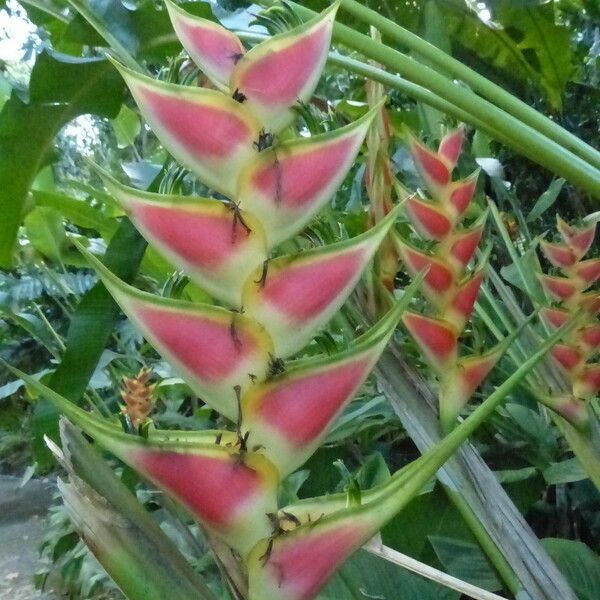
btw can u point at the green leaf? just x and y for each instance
(45, 231)
(5, 90)
(515, 475)
(367, 576)
(77, 212)
(466, 561)
(580, 565)
(425, 515)
(521, 41)
(566, 471)
(92, 323)
(372, 472)
(61, 88)
(127, 126)
(8, 389)
(33, 325)
(144, 32)
(546, 200)
(529, 266)
(88, 334)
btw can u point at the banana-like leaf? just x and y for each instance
(296, 295)
(284, 70)
(289, 415)
(285, 186)
(217, 244)
(205, 130)
(213, 348)
(213, 48)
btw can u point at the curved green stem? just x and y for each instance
(495, 557)
(501, 125)
(480, 84)
(422, 94)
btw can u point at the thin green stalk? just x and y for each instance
(517, 350)
(511, 249)
(489, 322)
(477, 82)
(53, 332)
(496, 558)
(417, 92)
(499, 124)
(92, 404)
(502, 126)
(499, 313)
(92, 393)
(491, 325)
(403, 85)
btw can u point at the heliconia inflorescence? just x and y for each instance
(266, 309)
(570, 294)
(449, 288)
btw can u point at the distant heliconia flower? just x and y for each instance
(570, 294)
(450, 290)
